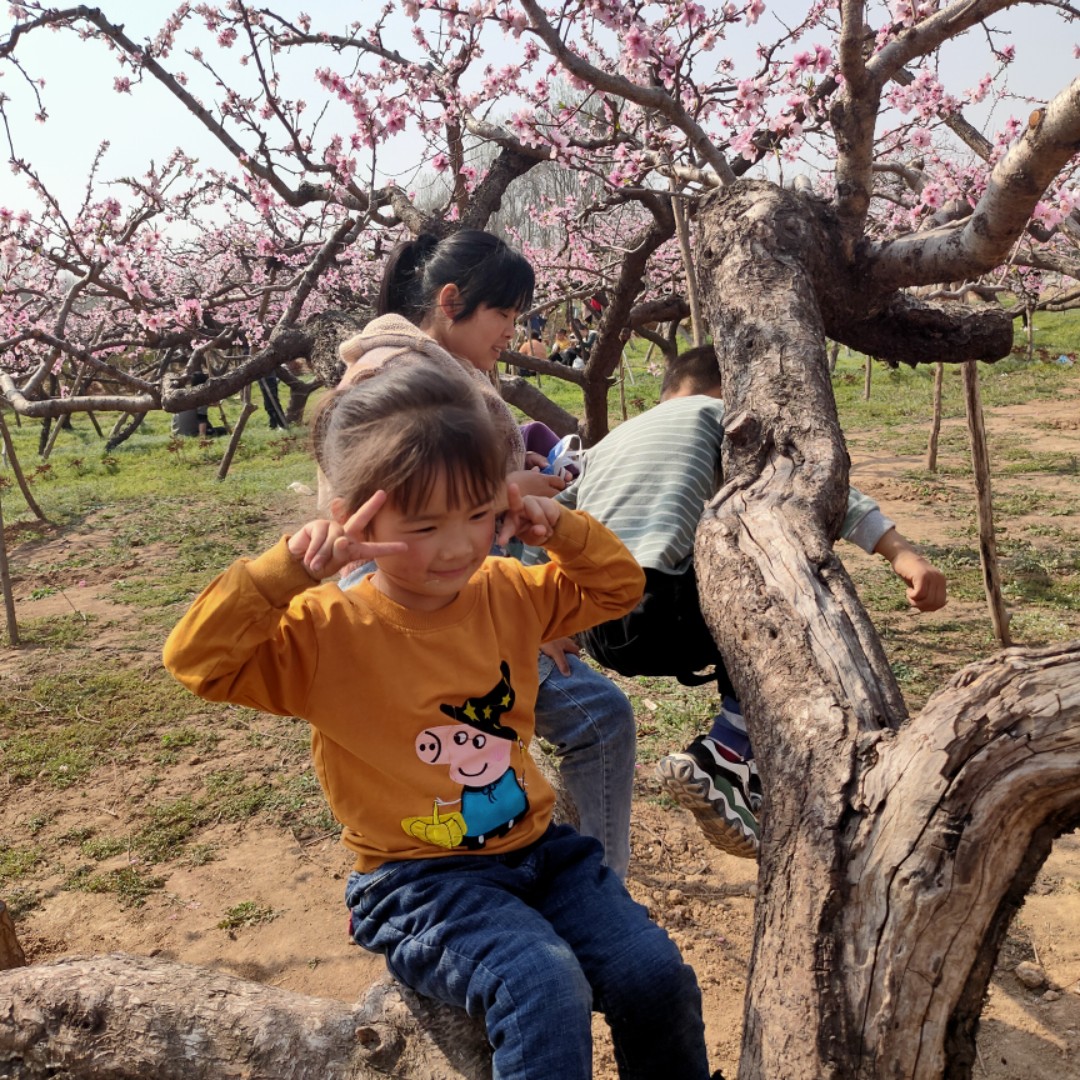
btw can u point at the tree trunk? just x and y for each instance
(876, 925)
(11, 954)
(16, 468)
(125, 426)
(234, 439)
(127, 1017)
(523, 395)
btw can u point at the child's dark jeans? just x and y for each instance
(532, 940)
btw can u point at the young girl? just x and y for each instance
(452, 304)
(418, 686)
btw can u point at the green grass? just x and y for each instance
(247, 913)
(131, 884)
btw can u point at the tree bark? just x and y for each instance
(16, 468)
(127, 1017)
(238, 431)
(875, 930)
(523, 395)
(11, 954)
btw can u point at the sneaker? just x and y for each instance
(719, 793)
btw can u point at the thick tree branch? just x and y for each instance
(987, 236)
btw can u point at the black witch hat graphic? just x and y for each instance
(483, 713)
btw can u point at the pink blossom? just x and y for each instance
(692, 15)
(440, 163)
(932, 196)
(122, 85)
(754, 11)
(638, 43)
(801, 61)
(189, 312)
(919, 138)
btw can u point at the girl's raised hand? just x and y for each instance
(531, 518)
(325, 546)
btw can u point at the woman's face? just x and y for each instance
(480, 337)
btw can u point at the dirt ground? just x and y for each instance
(703, 897)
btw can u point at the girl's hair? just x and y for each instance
(484, 269)
(400, 429)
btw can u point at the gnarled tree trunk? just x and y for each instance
(876, 923)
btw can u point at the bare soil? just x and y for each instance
(704, 898)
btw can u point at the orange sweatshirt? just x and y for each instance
(421, 721)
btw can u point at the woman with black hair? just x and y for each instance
(454, 301)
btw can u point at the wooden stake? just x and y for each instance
(12, 624)
(935, 422)
(980, 459)
(866, 379)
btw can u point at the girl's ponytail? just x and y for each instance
(402, 289)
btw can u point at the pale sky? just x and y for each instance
(149, 123)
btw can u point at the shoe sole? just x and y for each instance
(712, 806)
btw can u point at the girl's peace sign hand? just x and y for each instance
(325, 546)
(531, 518)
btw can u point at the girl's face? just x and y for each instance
(446, 545)
(480, 337)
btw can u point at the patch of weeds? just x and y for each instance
(66, 723)
(880, 590)
(168, 829)
(175, 740)
(670, 715)
(1052, 532)
(235, 800)
(904, 673)
(45, 590)
(200, 854)
(20, 902)
(303, 808)
(130, 884)
(1018, 503)
(76, 836)
(103, 847)
(61, 761)
(248, 913)
(926, 486)
(1035, 626)
(17, 862)
(35, 824)
(58, 631)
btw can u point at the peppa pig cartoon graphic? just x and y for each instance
(477, 749)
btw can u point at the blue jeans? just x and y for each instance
(590, 722)
(531, 940)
